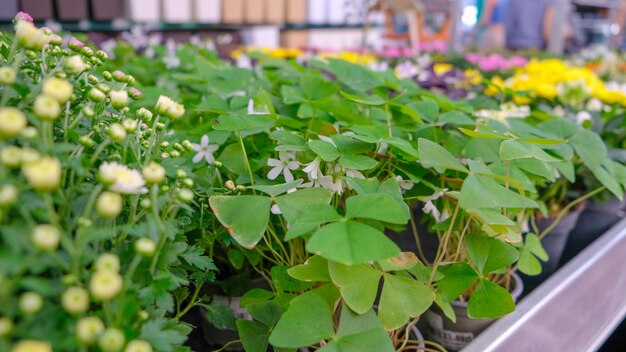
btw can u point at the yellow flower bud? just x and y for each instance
(11, 156)
(7, 75)
(30, 302)
(109, 204)
(59, 89)
(32, 346)
(30, 37)
(138, 346)
(105, 285)
(43, 174)
(119, 98)
(46, 107)
(75, 300)
(153, 173)
(74, 64)
(46, 237)
(12, 122)
(88, 329)
(108, 262)
(112, 340)
(117, 132)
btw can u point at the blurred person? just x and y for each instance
(491, 24)
(529, 24)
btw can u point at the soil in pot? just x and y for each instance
(455, 336)
(594, 221)
(554, 244)
(429, 241)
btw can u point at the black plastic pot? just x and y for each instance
(106, 10)
(38, 9)
(455, 336)
(554, 244)
(72, 9)
(8, 9)
(594, 221)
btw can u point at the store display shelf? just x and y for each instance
(575, 310)
(597, 3)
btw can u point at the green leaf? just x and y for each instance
(484, 192)
(432, 154)
(357, 77)
(377, 206)
(325, 150)
(357, 162)
(489, 301)
(457, 278)
(365, 100)
(456, 117)
(490, 254)
(515, 149)
(402, 298)
(291, 95)
(246, 230)
(292, 205)
(234, 122)
(254, 336)
(315, 87)
(307, 321)
(427, 109)
(359, 333)
(283, 282)
(275, 190)
(403, 145)
(608, 181)
(166, 334)
(528, 263)
(220, 315)
(311, 217)
(232, 160)
(350, 242)
(314, 269)
(481, 134)
(405, 261)
(590, 148)
(533, 244)
(358, 284)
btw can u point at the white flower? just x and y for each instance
(46, 237)
(88, 329)
(112, 340)
(354, 174)
(105, 285)
(59, 89)
(107, 262)
(75, 300)
(406, 70)
(30, 302)
(138, 346)
(243, 61)
(283, 164)
(74, 64)
(253, 111)
(169, 108)
(430, 208)
(109, 204)
(123, 179)
(379, 66)
(404, 185)
(583, 116)
(327, 139)
(327, 182)
(594, 104)
(275, 209)
(12, 122)
(205, 150)
(312, 169)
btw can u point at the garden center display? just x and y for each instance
(262, 200)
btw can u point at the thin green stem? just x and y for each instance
(567, 208)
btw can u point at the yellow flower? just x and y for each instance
(32, 345)
(75, 300)
(88, 329)
(497, 84)
(442, 69)
(46, 237)
(74, 64)
(109, 204)
(43, 174)
(29, 36)
(121, 178)
(473, 77)
(138, 346)
(105, 285)
(57, 88)
(46, 107)
(12, 122)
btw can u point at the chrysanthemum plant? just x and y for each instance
(99, 223)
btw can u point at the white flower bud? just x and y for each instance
(88, 329)
(119, 98)
(109, 204)
(130, 125)
(43, 174)
(96, 95)
(59, 89)
(46, 237)
(144, 114)
(12, 122)
(107, 262)
(29, 132)
(185, 195)
(30, 302)
(145, 247)
(32, 346)
(8, 195)
(117, 132)
(138, 346)
(105, 285)
(7, 75)
(11, 156)
(30, 37)
(75, 300)
(74, 64)
(153, 173)
(169, 108)
(46, 107)
(112, 340)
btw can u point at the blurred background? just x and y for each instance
(419, 25)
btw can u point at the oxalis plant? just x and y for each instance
(357, 150)
(98, 222)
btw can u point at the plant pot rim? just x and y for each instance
(516, 293)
